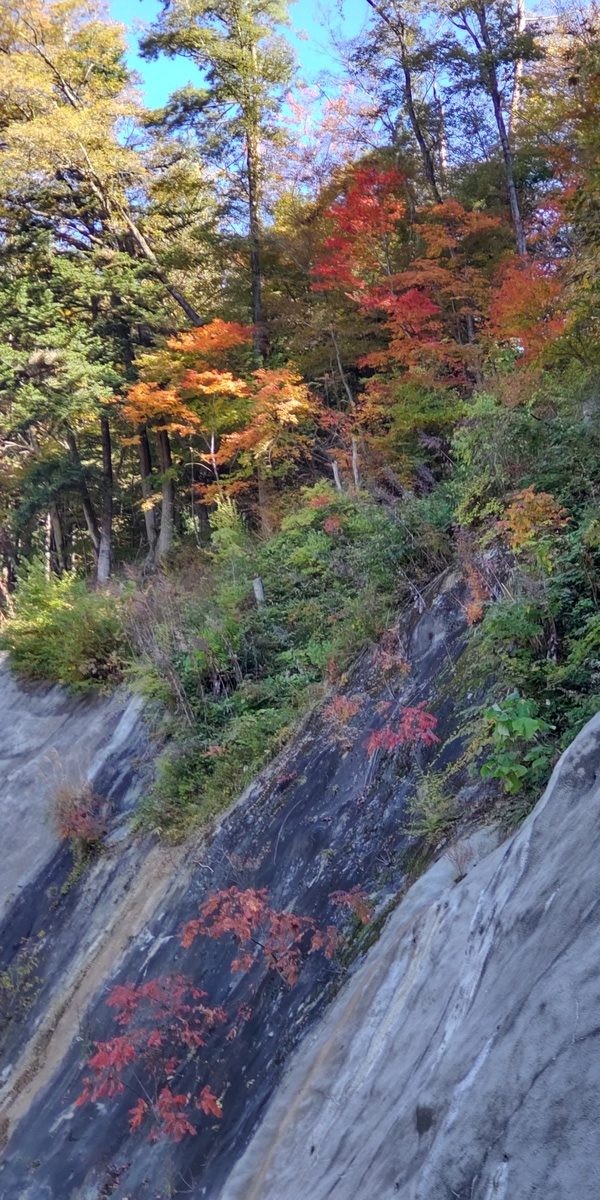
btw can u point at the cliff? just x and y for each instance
(438, 1053)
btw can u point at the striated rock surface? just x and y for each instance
(458, 1060)
(463, 1059)
(327, 815)
(50, 740)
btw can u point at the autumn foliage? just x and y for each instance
(161, 1023)
(526, 307)
(530, 517)
(280, 939)
(357, 901)
(415, 727)
(362, 221)
(80, 815)
(166, 1023)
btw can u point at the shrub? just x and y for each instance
(517, 757)
(165, 1025)
(80, 816)
(430, 809)
(20, 982)
(63, 632)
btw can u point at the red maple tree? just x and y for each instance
(362, 221)
(416, 727)
(162, 1023)
(526, 308)
(356, 900)
(282, 939)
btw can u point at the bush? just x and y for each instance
(431, 810)
(80, 816)
(517, 757)
(63, 632)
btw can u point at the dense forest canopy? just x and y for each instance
(340, 335)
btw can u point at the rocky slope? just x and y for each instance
(451, 1048)
(463, 1058)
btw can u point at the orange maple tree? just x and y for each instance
(526, 307)
(531, 516)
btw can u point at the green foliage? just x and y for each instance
(237, 675)
(431, 810)
(63, 632)
(20, 982)
(512, 726)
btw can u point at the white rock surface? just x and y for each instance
(48, 740)
(462, 1060)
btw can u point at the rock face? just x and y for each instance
(49, 740)
(458, 1060)
(463, 1058)
(328, 815)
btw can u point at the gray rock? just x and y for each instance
(462, 1060)
(48, 741)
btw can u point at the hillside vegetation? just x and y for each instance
(273, 357)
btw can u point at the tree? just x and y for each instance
(426, 278)
(487, 51)
(246, 67)
(80, 204)
(65, 104)
(184, 390)
(398, 33)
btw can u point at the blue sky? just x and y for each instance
(309, 20)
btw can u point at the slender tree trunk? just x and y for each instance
(48, 546)
(86, 501)
(253, 171)
(167, 512)
(147, 490)
(58, 538)
(398, 29)
(515, 101)
(355, 464)
(104, 564)
(443, 139)
(509, 168)
(5, 598)
(340, 368)
(147, 252)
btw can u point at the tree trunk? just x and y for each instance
(167, 512)
(147, 490)
(6, 603)
(443, 138)
(58, 538)
(104, 563)
(515, 100)
(253, 171)
(86, 500)
(48, 546)
(340, 367)
(355, 464)
(494, 89)
(398, 29)
(148, 253)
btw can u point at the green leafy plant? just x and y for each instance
(63, 632)
(517, 758)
